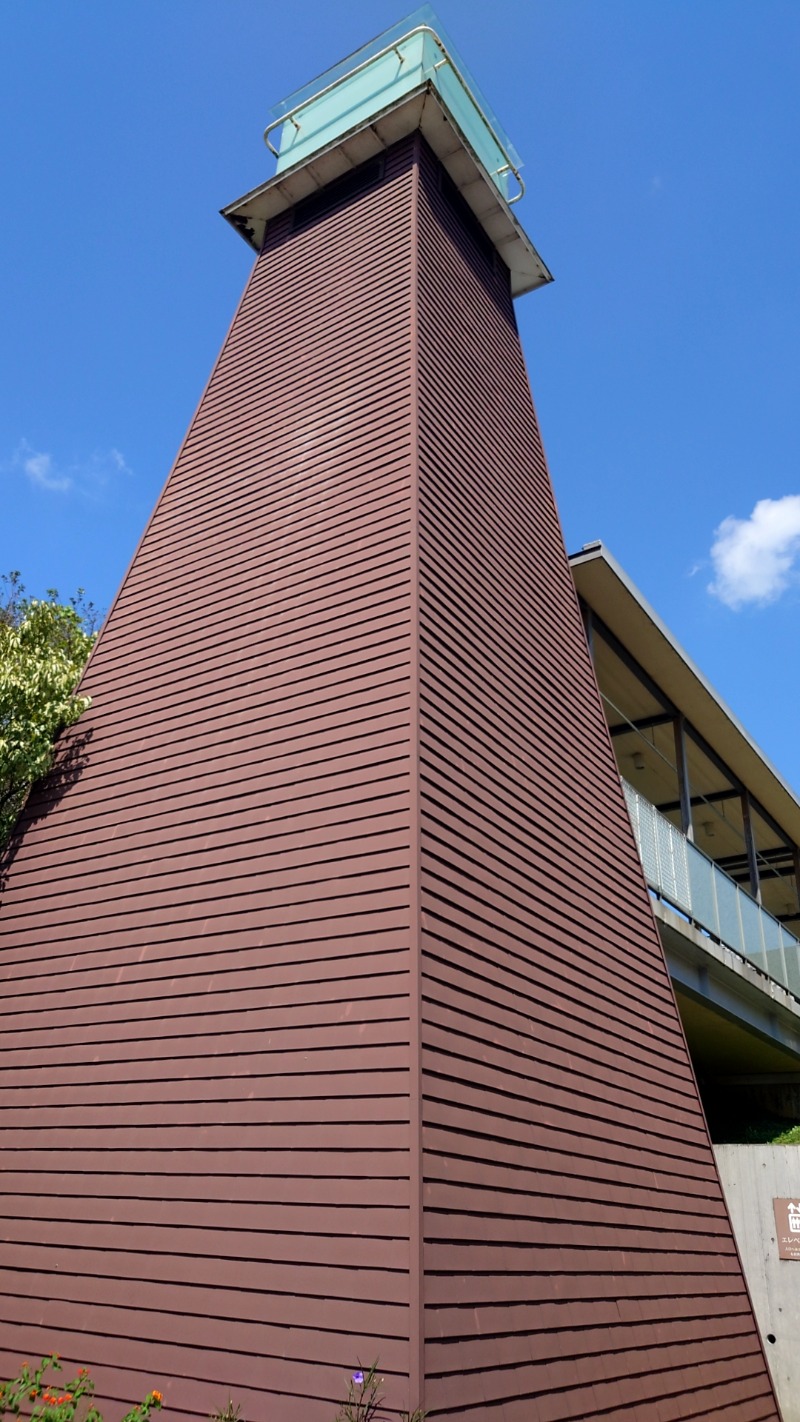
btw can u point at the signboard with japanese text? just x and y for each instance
(787, 1226)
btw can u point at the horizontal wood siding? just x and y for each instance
(579, 1261)
(211, 1021)
(204, 939)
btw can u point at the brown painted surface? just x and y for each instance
(579, 1261)
(332, 958)
(204, 946)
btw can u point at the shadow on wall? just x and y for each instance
(72, 757)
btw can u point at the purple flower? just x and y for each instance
(358, 1378)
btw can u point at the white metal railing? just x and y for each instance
(290, 116)
(684, 876)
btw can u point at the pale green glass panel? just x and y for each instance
(791, 953)
(378, 77)
(703, 898)
(752, 928)
(354, 101)
(730, 927)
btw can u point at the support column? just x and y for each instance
(750, 843)
(588, 626)
(684, 791)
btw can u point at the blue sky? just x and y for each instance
(660, 143)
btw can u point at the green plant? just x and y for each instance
(43, 649)
(227, 1414)
(53, 1405)
(789, 1137)
(364, 1401)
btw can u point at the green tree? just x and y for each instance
(43, 650)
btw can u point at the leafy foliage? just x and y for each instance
(364, 1398)
(29, 1393)
(43, 649)
(790, 1137)
(364, 1401)
(74, 1401)
(764, 1130)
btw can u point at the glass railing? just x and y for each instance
(686, 878)
(378, 77)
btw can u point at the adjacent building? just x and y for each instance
(718, 831)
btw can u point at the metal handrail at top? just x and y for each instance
(290, 115)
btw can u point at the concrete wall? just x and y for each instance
(752, 1177)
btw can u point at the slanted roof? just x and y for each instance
(609, 592)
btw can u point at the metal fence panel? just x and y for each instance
(704, 898)
(751, 917)
(687, 878)
(730, 926)
(791, 953)
(674, 870)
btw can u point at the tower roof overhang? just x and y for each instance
(427, 107)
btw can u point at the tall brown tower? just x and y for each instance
(365, 1043)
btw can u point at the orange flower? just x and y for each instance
(32, 1393)
(157, 1396)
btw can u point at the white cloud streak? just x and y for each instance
(39, 468)
(88, 477)
(756, 559)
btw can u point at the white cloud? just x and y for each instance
(39, 468)
(88, 477)
(756, 559)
